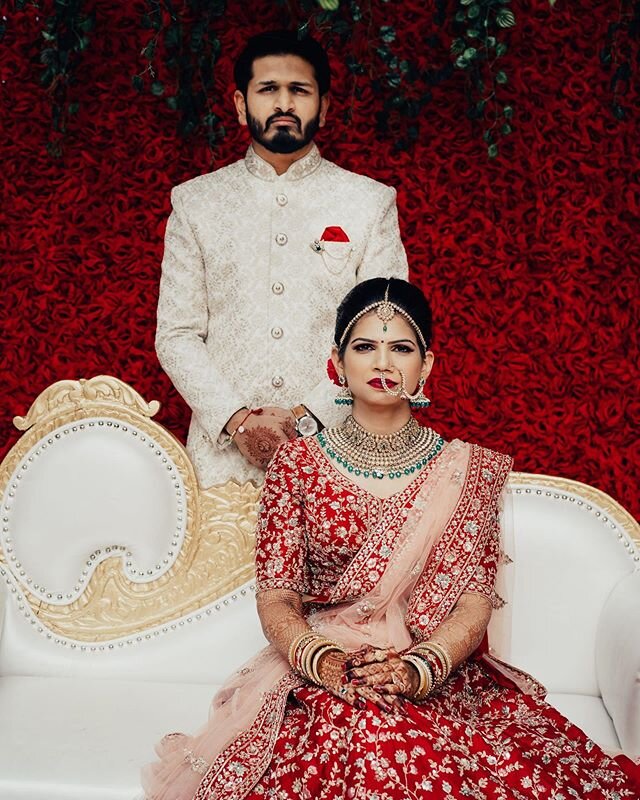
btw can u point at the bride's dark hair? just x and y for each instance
(402, 294)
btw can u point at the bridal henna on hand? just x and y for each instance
(386, 702)
(332, 672)
(381, 675)
(281, 616)
(286, 418)
(369, 655)
(260, 439)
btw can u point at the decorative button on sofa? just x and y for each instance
(126, 596)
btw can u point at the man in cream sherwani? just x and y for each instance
(257, 257)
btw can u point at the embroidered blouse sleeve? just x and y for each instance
(483, 580)
(281, 546)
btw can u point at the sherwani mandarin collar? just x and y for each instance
(299, 169)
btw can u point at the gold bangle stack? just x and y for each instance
(298, 642)
(436, 657)
(424, 671)
(305, 652)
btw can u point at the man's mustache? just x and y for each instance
(281, 115)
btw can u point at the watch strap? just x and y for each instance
(299, 412)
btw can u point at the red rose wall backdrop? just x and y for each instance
(530, 259)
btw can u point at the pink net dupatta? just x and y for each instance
(246, 714)
(253, 698)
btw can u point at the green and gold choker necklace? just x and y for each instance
(376, 456)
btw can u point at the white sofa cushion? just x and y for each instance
(90, 490)
(569, 554)
(85, 739)
(618, 660)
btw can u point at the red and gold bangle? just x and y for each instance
(437, 657)
(443, 655)
(434, 663)
(424, 672)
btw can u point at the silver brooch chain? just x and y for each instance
(378, 456)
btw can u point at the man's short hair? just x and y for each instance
(282, 43)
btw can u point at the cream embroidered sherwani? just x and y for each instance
(247, 306)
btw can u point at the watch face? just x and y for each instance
(307, 426)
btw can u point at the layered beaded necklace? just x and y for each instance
(373, 455)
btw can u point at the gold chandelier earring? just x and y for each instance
(344, 398)
(417, 400)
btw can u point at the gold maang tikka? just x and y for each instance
(385, 311)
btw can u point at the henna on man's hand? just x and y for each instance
(260, 437)
(260, 444)
(289, 428)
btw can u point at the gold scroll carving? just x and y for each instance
(216, 556)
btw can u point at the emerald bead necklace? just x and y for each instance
(380, 456)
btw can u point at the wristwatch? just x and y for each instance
(306, 425)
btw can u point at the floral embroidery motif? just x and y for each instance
(472, 739)
(366, 609)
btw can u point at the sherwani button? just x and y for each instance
(277, 381)
(281, 238)
(277, 288)
(281, 199)
(276, 333)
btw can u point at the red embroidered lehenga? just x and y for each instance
(486, 733)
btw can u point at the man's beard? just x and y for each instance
(284, 140)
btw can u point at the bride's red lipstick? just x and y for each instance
(377, 383)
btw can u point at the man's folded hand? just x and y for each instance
(263, 431)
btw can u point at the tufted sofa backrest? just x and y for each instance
(571, 545)
(112, 560)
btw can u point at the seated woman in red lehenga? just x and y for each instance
(376, 558)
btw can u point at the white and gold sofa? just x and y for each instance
(126, 596)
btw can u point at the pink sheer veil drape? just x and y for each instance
(184, 759)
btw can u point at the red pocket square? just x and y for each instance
(334, 233)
